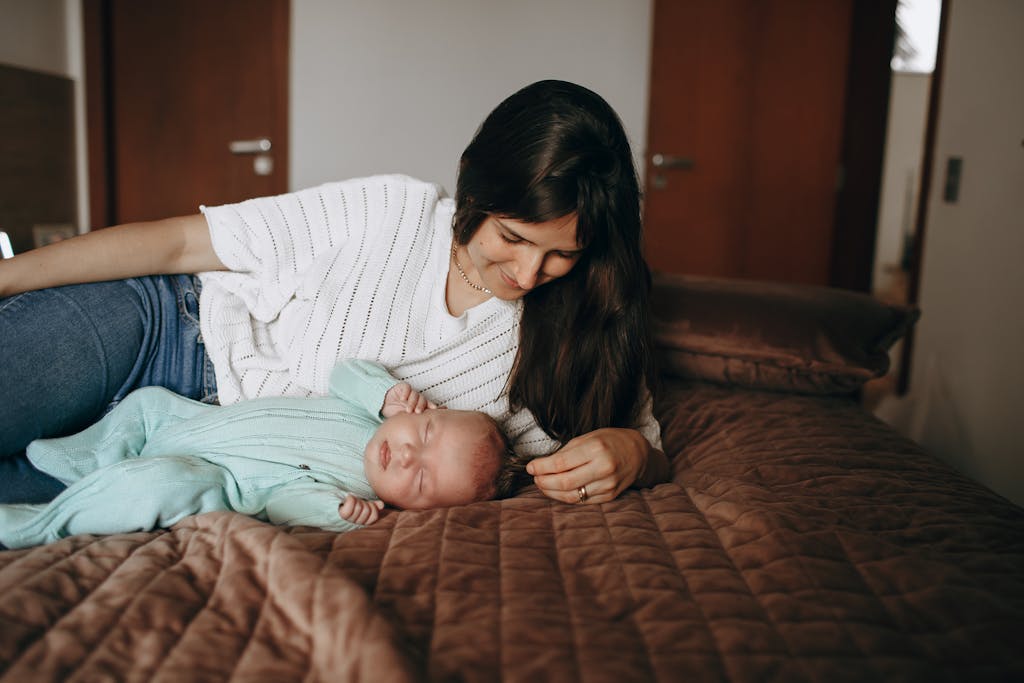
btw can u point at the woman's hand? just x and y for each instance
(358, 511)
(596, 467)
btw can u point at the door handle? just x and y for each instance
(257, 146)
(669, 161)
(262, 162)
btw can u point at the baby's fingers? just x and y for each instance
(373, 508)
(366, 515)
(347, 509)
(358, 511)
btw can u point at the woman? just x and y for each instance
(525, 298)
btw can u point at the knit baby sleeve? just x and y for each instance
(269, 243)
(308, 503)
(361, 383)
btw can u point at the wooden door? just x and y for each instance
(172, 84)
(752, 93)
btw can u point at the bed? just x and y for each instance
(799, 538)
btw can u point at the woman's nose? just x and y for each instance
(528, 269)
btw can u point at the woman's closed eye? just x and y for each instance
(514, 239)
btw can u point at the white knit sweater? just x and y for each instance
(356, 269)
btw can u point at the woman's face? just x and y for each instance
(512, 257)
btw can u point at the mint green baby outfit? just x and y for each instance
(157, 458)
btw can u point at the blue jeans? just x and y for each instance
(70, 354)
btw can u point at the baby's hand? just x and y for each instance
(359, 511)
(402, 398)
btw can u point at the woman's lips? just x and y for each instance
(508, 281)
(385, 455)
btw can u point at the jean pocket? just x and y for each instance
(188, 289)
(10, 301)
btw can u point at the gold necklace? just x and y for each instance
(465, 277)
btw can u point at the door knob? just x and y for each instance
(669, 161)
(257, 146)
(262, 163)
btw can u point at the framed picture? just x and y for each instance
(50, 233)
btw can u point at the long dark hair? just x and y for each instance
(551, 150)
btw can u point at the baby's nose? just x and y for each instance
(405, 455)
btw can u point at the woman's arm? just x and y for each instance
(172, 245)
(605, 461)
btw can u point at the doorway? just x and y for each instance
(913, 67)
(187, 104)
(744, 137)
(913, 100)
(765, 135)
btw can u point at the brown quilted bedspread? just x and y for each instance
(800, 539)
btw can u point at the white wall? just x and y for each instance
(901, 174)
(32, 35)
(966, 403)
(400, 86)
(46, 35)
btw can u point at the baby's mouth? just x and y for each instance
(385, 455)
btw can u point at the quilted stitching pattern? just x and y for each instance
(222, 597)
(800, 539)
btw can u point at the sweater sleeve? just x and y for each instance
(269, 243)
(283, 233)
(307, 502)
(646, 424)
(361, 383)
(528, 439)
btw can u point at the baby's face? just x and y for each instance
(426, 460)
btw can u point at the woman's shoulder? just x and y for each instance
(373, 185)
(392, 180)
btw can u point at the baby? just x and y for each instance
(332, 462)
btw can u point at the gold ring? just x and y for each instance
(582, 492)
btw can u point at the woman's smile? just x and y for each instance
(508, 280)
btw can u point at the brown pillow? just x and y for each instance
(773, 336)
